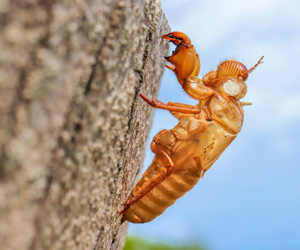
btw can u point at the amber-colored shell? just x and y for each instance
(232, 68)
(186, 152)
(192, 157)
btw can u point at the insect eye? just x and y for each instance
(232, 88)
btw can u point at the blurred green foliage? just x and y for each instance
(134, 243)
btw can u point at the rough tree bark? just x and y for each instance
(72, 126)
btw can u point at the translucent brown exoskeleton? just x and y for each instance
(184, 153)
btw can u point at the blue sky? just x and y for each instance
(250, 198)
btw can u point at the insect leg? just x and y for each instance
(169, 166)
(184, 58)
(165, 158)
(143, 192)
(197, 91)
(182, 108)
(246, 103)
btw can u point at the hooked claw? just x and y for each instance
(184, 59)
(177, 37)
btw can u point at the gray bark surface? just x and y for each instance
(72, 126)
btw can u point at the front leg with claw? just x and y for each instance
(185, 60)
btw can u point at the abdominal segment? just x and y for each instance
(192, 157)
(161, 197)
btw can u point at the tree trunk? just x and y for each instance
(72, 126)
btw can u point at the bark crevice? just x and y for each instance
(72, 126)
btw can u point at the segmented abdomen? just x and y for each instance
(162, 196)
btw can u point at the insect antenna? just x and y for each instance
(250, 70)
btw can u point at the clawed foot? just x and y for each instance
(185, 61)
